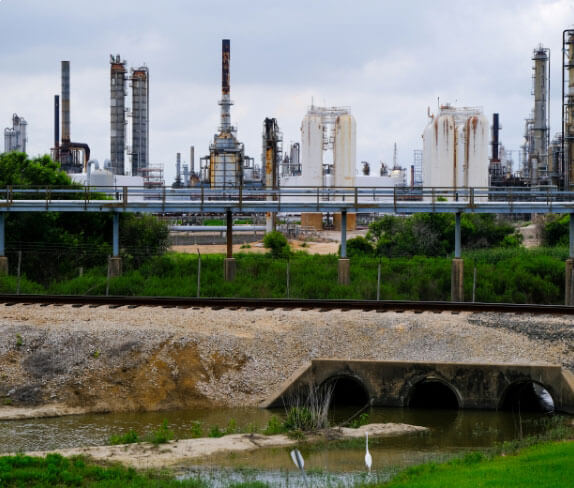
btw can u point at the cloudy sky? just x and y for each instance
(387, 60)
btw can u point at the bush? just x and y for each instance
(129, 437)
(359, 246)
(277, 244)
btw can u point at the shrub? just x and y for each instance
(162, 435)
(130, 437)
(277, 244)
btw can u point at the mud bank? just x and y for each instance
(145, 456)
(75, 360)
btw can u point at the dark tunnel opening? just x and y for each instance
(347, 392)
(527, 397)
(433, 394)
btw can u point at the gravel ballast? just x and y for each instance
(151, 358)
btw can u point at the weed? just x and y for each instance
(274, 426)
(130, 437)
(245, 246)
(161, 435)
(196, 429)
(215, 431)
(96, 354)
(231, 427)
(363, 419)
(19, 340)
(7, 401)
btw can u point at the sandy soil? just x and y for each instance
(145, 456)
(257, 248)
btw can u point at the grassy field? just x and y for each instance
(541, 466)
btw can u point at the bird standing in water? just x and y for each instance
(368, 457)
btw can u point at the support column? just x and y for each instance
(344, 263)
(3, 258)
(457, 270)
(115, 262)
(229, 265)
(569, 278)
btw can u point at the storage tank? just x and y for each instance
(455, 149)
(475, 170)
(345, 150)
(312, 150)
(439, 163)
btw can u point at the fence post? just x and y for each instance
(19, 272)
(198, 272)
(474, 285)
(379, 281)
(288, 278)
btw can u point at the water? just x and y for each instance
(328, 463)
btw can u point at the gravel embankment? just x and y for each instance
(153, 358)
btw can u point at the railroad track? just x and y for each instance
(280, 303)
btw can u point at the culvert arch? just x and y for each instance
(527, 396)
(433, 392)
(347, 390)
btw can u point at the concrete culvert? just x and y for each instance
(527, 397)
(347, 392)
(433, 394)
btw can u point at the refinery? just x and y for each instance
(460, 145)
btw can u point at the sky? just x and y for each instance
(387, 60)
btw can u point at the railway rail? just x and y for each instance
(280, 303)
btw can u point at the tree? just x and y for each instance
(54, 245)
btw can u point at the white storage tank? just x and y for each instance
(312, 150)
(455, 149)
(345, 150)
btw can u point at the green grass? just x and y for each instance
(57, 471)
(540, 466)
(514, 275)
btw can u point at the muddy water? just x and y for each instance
(328, 463)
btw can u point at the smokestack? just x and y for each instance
(192, 159)
(225, 88)
(56, 123)
(178, 168)
(495, 129)
(65, 103)
(225, 59)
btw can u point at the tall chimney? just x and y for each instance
(192, 159)
(495, 129)
(225, 87)
(66, 103)
(56, 124)
(225, 59)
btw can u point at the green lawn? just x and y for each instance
(545, 465)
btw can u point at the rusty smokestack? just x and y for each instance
(225, 59)
(65, 103)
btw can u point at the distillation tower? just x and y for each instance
(535, 164)
(140, 120)
(224, 166)
(15, 136)
(117, 114)
(568, 108)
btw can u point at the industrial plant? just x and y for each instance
(460, 147)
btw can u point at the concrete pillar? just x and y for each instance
(569, 274)
(344, 234)
(114, 266)
(344, 271)
(456, 280)
(229, 269)
(457, 271)
(3, 265)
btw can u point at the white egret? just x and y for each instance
(368, 457)
(300, 463)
